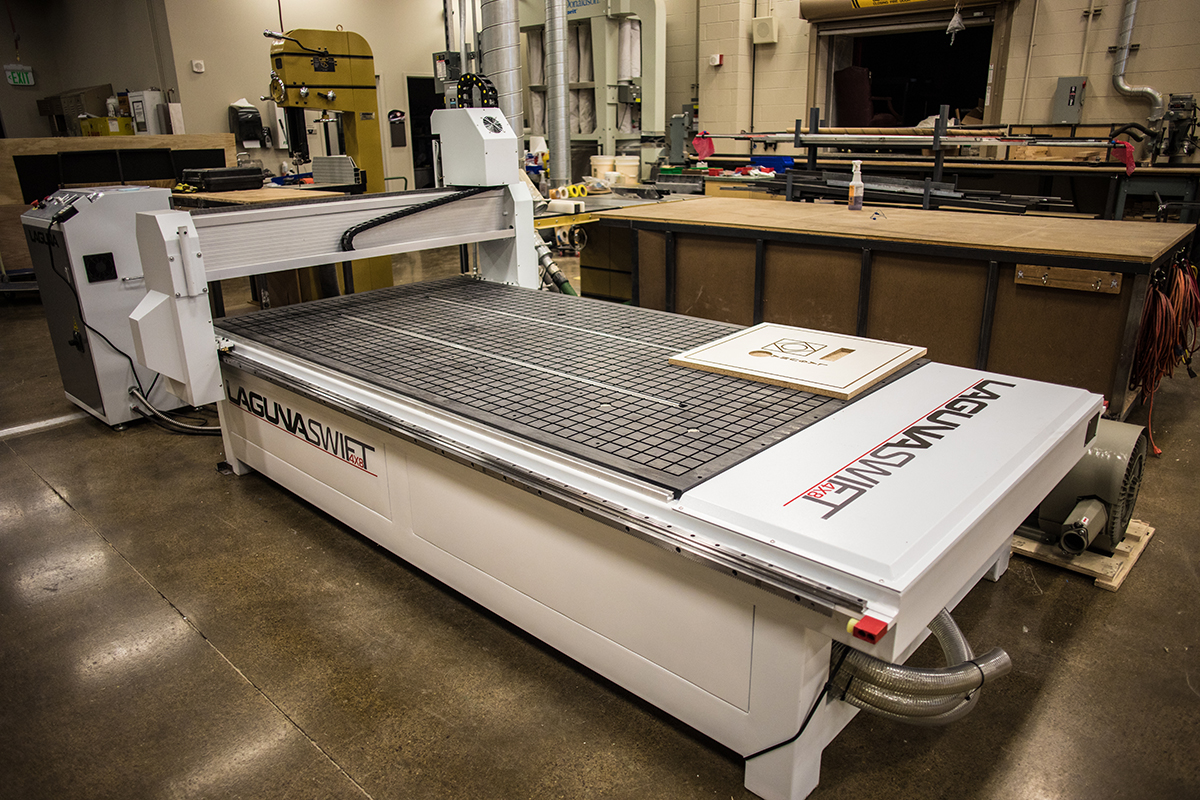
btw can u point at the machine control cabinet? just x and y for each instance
(90, 277)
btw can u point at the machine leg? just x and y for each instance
(1000, 566)
(238, 467)
(792, 771)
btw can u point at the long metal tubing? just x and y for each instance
(462, 35)
(760, 270)
(558, 129)
(447, 14)
(864, 293)
(669, 277)
(989, 315)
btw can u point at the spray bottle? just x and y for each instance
(856, 188)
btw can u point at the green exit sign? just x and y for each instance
(19, 74)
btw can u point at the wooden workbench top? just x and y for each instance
(247, 197)
(1137, 242)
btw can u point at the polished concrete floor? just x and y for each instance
(168, 631)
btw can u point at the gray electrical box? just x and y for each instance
(629, 93)
(1068, 100)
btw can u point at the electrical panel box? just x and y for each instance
(1068, 100)
(89, 273)
(447, 69)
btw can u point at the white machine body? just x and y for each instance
(718, 602)
(94, 250)
(172, 326)
(478, 148)
(621, 577)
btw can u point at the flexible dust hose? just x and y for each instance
(546, 259)
(906, 705)
(162, 419)
(917, 695)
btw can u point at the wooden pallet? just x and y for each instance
(1109, 571)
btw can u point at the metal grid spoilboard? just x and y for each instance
(586, 377)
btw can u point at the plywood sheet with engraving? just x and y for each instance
(828, 364)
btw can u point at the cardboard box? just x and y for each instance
(107, 126)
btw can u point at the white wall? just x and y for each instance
(758, 87)
(681, 53)
(781, 79)
(227, 36)
(73, 44)
(725, 90)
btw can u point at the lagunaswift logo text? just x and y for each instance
(854, 480)
(336, 443)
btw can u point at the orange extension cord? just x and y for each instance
(1170, 323)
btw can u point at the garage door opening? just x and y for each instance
(912, 65)
(920, 71)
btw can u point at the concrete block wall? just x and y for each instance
(760, 88)
(682, 75)
(1168, 59)
(781, 71)
(725, 94)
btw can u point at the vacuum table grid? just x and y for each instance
(586, 377)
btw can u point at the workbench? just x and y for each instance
(958, 283)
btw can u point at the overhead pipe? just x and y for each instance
(558, 129)
(1157, 103)
(476, 60)
(462, 37)
(500, 41)
(1087, 31)
(447, 16)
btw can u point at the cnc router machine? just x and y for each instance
(711, 543)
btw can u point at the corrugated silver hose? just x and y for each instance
(915, 695)
(500, 42)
